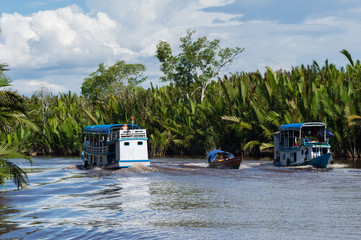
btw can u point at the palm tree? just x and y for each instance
(9, 170)
(11, 115)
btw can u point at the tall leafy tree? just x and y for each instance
(111, 79)
(197, 64)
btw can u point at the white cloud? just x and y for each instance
(31, 86)
(58, 48)
(285, 45)
(144, 23)
(67, 38)
(51, 38)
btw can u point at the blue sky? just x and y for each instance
(56, 44)
(27, 7)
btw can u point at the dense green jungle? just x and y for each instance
(238, 113)
(196, 111)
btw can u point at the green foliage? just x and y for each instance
(10, 170)
(108, 81)
(12, 115)
(196, 65)
(239, 113)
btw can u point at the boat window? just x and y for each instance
(297, 133)
(313, 149)
(324, 150)
(140, 143)
(286, 143)
(292, 141)
(126, 144)
(112, 147)
(302, 151)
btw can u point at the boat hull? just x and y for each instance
(318, 162)
(232, 163)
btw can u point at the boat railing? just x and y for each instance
(113, 136)
(306, 142)
(289, 149)
(122, 134)
(95, 149)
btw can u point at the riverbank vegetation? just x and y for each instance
(12, 115)
(198, 110)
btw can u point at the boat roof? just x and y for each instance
(107, 127)
(297, 126)
(212, 154)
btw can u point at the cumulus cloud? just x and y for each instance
(49, 38)
(31, 86)
(57, 48)
(144, 23)
(65, 39)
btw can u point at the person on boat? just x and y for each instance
(125, 126)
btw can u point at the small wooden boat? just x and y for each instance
(223, 160)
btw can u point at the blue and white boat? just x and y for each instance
(115, 146)
(299, 144)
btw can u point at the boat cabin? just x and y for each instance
(115, 145)
(297, 143)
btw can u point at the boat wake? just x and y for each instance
(141, 168)
(246, 164)
(338, 165)
(200, 165)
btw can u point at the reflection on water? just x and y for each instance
(183, 199)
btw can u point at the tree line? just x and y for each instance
(197, 111)
(238, 113)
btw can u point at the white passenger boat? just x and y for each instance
(298, 144)
(115, 146)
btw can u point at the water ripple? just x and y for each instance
(183, 199)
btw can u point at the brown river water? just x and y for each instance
(179, 198)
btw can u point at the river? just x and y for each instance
(178, 198)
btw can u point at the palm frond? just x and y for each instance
(251, 145)
(348, 56)
(265, 146)
(246, 125)
(10, 170)
(231, 119)
(354, 120)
